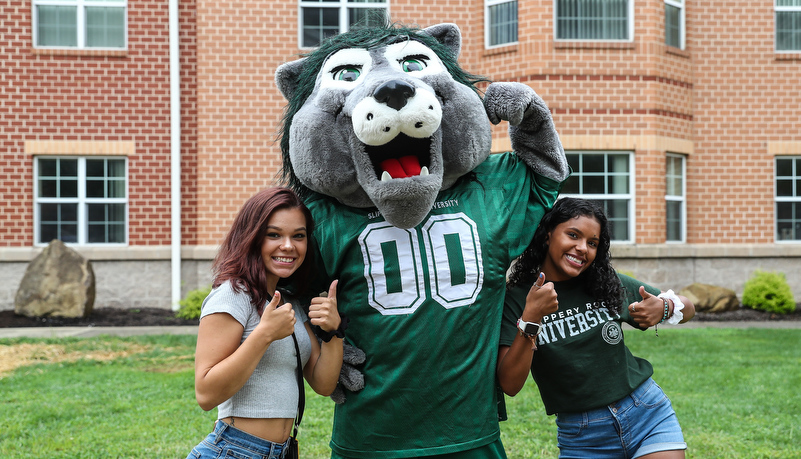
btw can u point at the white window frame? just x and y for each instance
(795, 177)
(81, 200)
(628, 197)
(679, 4)
(80, 6)
(630, 23)
(488, 25)
(681, 199)
(785, 9)
(343, 6)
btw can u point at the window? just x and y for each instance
(80, 24)
(788, 25)
(501, 22)
(321, 19)
(605, 177)
(81, 200)
(675, 206)
(788, 198)
(674, 23)
(594, 19)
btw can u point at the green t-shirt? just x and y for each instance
(581, 362)
(425, 306)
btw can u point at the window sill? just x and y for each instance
(502, 49)
(677, 51)
(594, 45)
(790, 56)
(79, 52)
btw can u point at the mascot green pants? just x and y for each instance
(388, 141)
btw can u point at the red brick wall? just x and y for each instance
(85, 96)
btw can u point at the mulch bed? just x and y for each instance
(100, 317)
(115, 317)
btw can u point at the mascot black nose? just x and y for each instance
(394, 93)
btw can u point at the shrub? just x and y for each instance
(190, 305)
(768, 291)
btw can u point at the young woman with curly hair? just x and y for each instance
(562, 322)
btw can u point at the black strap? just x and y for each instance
(301, 390)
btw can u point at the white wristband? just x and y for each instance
(677, 315)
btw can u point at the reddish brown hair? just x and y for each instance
(239, 258)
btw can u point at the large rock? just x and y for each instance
(59, 282)
(711, 298)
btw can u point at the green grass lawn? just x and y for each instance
(736, 392)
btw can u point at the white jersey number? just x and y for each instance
(400, 277)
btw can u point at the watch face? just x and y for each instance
(531, 329)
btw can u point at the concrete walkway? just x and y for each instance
(88, 332)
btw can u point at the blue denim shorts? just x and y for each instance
(227, 441)
(641, 423)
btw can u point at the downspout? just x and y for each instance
(175, 154)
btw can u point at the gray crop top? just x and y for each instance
(272, 389)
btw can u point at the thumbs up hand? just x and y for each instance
(649, 311)
(277, 322)
(323, 310)
(540, 301)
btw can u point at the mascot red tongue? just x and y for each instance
(421, 252)
(407, 166)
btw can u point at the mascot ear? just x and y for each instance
(287, 76)
(448, 34)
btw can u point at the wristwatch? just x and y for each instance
(530, 329)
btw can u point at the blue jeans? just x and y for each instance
(227, 441)
(641, 423)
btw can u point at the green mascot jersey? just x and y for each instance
(425, 307)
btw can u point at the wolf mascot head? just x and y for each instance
(365, 122)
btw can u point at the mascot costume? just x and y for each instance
(388, 141)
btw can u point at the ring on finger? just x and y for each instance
(633, 308)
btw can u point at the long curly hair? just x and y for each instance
(366, 37)
(239, 259)
(599, 279)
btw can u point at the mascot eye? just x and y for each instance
(347, 73)
(413, 64)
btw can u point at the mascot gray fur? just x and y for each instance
(388, 141)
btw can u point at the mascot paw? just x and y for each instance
(350, 377)
(516, 103)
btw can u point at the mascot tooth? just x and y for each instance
(388, 142)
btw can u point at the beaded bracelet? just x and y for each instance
(664, 316)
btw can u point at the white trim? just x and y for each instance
(487, 5)
(343, 6)
(80, 6)
(630, 39)
(175, 154)
(681, 199)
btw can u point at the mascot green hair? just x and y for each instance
(388, 141)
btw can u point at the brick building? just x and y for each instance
(683, 117)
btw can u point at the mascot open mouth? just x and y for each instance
(402, 157)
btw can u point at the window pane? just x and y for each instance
(592, 19)
(318, 24)
(503, 23)
(106, 223)
(95, 188)
(593, 163)
(68, 188)
(594, 185)
(366, 17)
(68, 168)
(58, 26)
(674, 220)
(617, 212)
(116, 168)
(95, 168)
(788, 30)
(672, 26)
(618, 184)
(105, 27)
(58, 221)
